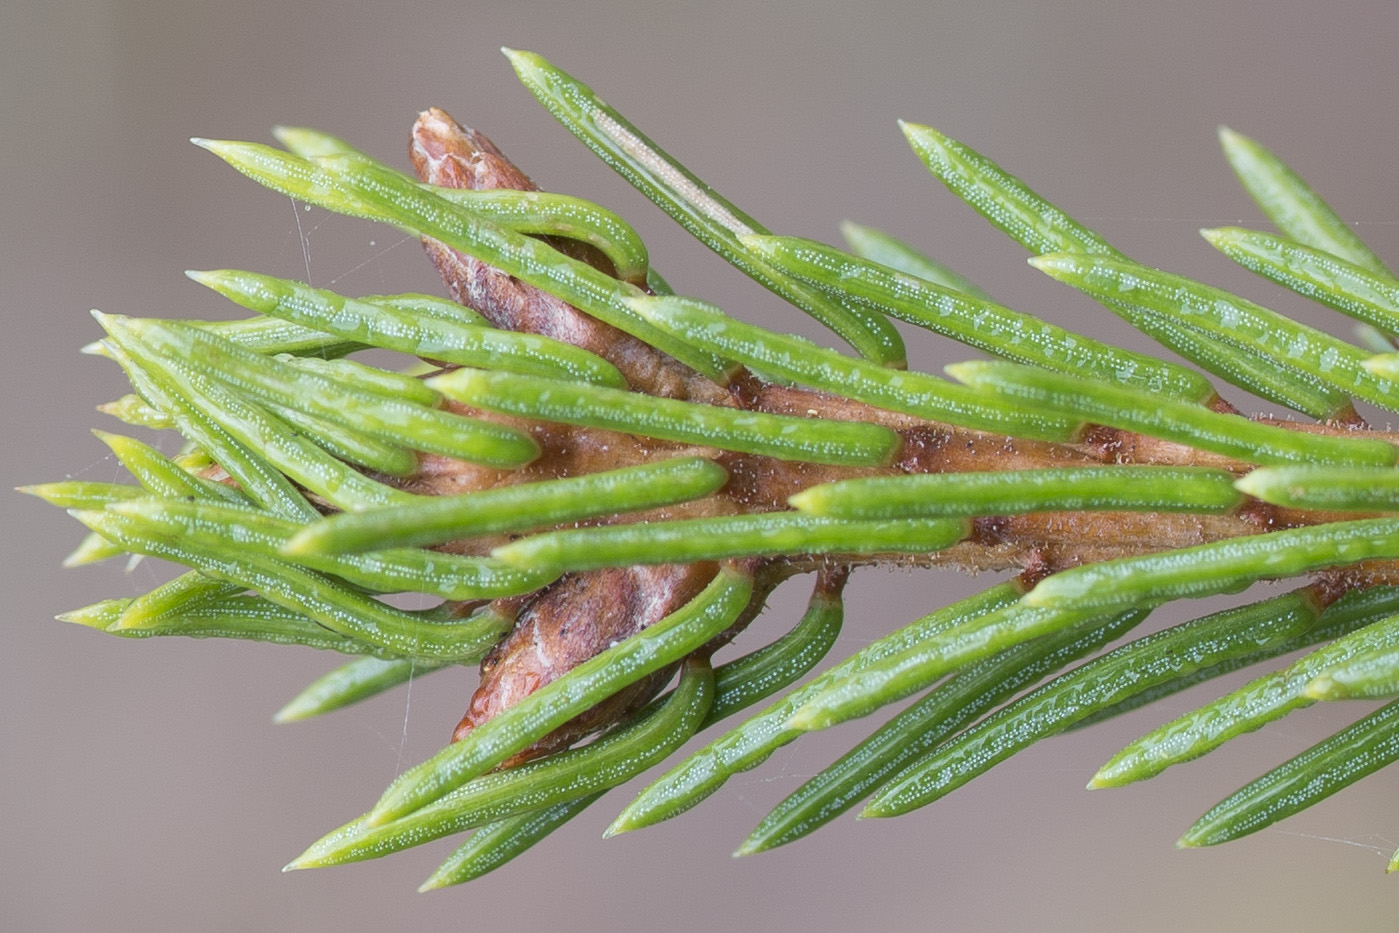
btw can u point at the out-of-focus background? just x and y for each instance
(143, 784)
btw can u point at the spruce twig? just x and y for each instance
(602, 482)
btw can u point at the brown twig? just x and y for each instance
(581, 614)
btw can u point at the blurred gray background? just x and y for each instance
(144, 786)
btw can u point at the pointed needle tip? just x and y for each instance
(804, 720)
(626, 822)
(79, 558)
(521, 60)
(307, 859)
(803, 501)
(297, 546)
(380, 815)
(1320, 688)
(1382, 365)
(513, 555)
(1105, 778)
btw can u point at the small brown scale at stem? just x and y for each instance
(581, 614)
(447, 154)
(571, 621)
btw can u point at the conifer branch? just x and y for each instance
(601, 482)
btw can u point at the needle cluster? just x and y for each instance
(601, 481)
